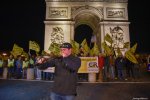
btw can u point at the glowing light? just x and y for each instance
(4, 54)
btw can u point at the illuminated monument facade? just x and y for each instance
(102, 16)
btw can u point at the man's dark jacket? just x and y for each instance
(65, 74)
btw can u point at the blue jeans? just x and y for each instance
(39, 74)
(106, 72)
(55, 96)
(112, 74)
(120, 74)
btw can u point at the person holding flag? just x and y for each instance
(33, 46)
(131, 61)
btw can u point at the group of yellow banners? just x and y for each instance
(54, 48)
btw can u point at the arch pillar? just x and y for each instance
(72, 27)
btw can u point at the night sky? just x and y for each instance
(23, 20)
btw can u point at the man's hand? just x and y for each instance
(41, 60)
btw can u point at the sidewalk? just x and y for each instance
(144, 77)
(40, 90)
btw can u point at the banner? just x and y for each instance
(89, 65)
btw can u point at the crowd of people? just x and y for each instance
(110, 68)
(120, 68)
(16, 68)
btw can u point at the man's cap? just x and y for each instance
(66, 45)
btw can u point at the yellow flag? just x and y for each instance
(107, 49)
(118, 51)
(43, 53)
(34, 46)
(108, 38)
(126, 45)
(85, 47)
(25, 54)
(55, 49)
(130, 54)
(131, 57)
(75, 47)
(83, 42)
(95, 49)
(133, 49)
(16, 50)
(91, 52)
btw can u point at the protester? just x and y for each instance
(129, 69)
(112, 67)
(120, 63)
(10, 65)
(31, 65)
(106, 67)
(101, 67)
(66, 68)
(19, 67)
(25, 66)
(137, 68)
(38, 73)
(1, 66)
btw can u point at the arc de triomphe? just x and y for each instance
(103, 16)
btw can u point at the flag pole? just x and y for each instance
(29, 50)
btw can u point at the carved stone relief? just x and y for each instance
(58, 12)
(115, 12)
(77, 9)
(57, 35)
(117, 35)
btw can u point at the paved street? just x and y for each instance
(39, 90)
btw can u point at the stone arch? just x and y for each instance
(88, 19)
(87, 9)
(90, 16)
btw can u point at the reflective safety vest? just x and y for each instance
(1, 63)
(10, 63)
(25, 64)
(31, 61)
